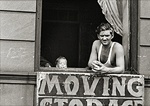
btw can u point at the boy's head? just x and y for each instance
(61, 62)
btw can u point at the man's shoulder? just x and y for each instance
(96, 42)
(118, 46)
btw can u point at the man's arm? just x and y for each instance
(93, 55)
(120, 63)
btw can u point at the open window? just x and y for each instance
(67, 28)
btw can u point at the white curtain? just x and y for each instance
(111, 12)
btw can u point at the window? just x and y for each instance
(67, 28)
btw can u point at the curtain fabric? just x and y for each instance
(111, 12)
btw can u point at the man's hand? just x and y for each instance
(99, 67)
(103, 69)
(96, 65)
(47, 65)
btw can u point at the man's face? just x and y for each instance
(105, 37)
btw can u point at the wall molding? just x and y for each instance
(18, 78)
(29, 78)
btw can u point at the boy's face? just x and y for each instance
(62, 63)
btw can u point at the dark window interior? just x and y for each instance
(68, 29)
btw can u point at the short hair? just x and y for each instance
(104, 27)
(60, 57)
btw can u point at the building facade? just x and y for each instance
(20, 23)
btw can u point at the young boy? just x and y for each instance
(61, 62)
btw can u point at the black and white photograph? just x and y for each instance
(74, 52)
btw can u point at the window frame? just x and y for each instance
(134, 35)
(37, 67)
(128, 30)
(38, 35)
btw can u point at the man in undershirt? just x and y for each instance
(106, 56)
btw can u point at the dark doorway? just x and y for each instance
(61, 39)
(68, 29)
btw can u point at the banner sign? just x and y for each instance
(89, 90)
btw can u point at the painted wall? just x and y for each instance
(144, 37)
(144, 44)
(17, 40)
